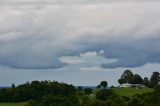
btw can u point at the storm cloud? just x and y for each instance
(38, 35)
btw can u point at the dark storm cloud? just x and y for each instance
(36, 37)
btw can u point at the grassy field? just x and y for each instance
(13, 104)
(131, 91)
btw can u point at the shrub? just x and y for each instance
(105, 94)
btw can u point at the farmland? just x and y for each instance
(131, 91)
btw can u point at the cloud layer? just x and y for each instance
(42, 36)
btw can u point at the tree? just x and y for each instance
(128, 76)
(154, 80)
(157, 90)
(98, 87)
(13, 85)
(104, 84)
(37, 90)
(122, 81)
(153, 98)
(138, 79)
(79, 88)
(136, 101)
(85, 101)
(105, 94)
(88, 91)
(146, 82)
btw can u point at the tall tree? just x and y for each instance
(138, 79)
(122, 81)
(155, 78)
(104, 84)
(13, 85)
(98, 87)
(146, 82)
(128, 76)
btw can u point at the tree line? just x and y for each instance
(53, 93)
(41, 93)
(106, 97)
(129, 77)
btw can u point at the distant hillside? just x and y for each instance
(1, 87)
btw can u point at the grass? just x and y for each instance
(131, 91)
(13, 104)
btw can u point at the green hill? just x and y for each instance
(131, 91)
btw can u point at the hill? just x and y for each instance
(131, 91)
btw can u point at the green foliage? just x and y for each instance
(47, 93)
(98, 87)
(80, 93)
(119, 101)
(138, 79)
(103, 84)
(128, 76)
(51, 100)
(13, 104)
(146, 82)
(122, 81)
(153, 98)
(105, 94)
(110, 103)
(90, 102)
(88, 91)
(42, 92)
(136, 101)
(85, 101)
(98, 103)
(154, 79)
(157, 89)
(79, 88)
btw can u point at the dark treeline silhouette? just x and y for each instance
(44, 93)
(129, 77)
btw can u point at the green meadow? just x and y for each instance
(131, 91)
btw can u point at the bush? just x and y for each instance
(105, 94)
(153, 98)
(88, 91)
(136, 101)
(109, 103)
(51, 100)
(119, 101)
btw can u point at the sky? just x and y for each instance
(78, 42)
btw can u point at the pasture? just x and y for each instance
(131, 91)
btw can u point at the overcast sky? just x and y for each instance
(78, 42)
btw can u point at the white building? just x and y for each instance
(126, 85)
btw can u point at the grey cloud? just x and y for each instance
(36, 38)
(61, 2)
